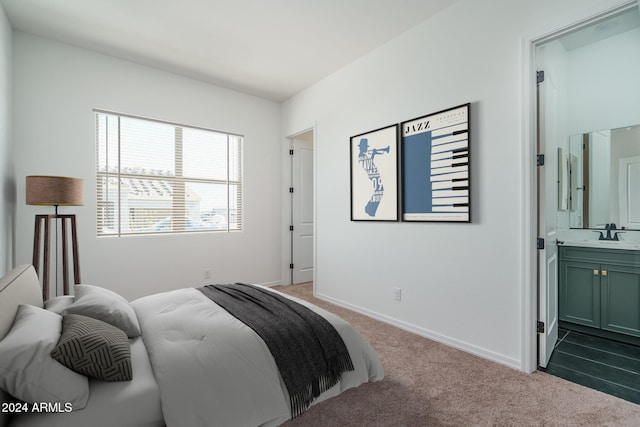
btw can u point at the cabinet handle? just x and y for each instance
(604, 272)
(596, 272)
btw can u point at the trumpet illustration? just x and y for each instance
(375, 151)
(365, 158)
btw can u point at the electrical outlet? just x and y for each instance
(207, 273)
(397, 294)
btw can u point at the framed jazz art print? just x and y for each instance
(436, 180)
(374, 175)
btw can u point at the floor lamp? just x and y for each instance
(55, 191)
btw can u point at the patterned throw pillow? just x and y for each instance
(94, 348)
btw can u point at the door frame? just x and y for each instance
(529, 271)
(287, 247)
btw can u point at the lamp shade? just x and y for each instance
(55, 191)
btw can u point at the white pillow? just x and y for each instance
(103, 304)
(27, 370)
(59, 303)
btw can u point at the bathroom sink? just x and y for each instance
(609, 244)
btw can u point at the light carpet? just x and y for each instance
(430, 384)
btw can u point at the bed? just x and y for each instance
(175, 358)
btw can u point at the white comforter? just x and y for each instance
(213, 370)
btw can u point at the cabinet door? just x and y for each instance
(580, 293)
(620, 299)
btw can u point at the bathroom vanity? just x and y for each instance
(599, 276)
(599, 288)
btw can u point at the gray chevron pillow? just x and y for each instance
(94, 348)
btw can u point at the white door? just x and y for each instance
(600, 178)
(548, 143)
(629, 176)
(302, 208)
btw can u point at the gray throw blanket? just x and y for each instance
(307, 349)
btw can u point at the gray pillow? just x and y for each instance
(105, 305)
(27, 370)
(94, 348)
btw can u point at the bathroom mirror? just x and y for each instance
(604, 178)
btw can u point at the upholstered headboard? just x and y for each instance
(19, 286)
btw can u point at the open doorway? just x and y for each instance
(588, 287)
(302, 207)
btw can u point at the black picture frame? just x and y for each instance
(436, 166)
(374, 175)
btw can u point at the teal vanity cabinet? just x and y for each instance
(600, 288)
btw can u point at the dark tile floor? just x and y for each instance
(609, 366)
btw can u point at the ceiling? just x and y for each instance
(268, 48)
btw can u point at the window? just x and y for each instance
(158, 177)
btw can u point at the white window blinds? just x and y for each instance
(159, 177)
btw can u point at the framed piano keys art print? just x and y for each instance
(435, 167)
(374, 175)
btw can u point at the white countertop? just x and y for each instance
(603, 244)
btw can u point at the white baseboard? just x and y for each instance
(270, 284)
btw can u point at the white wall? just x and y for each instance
(463, 284)
(56, 87)
(7, 186)
(597, 85)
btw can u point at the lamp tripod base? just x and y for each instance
(42, 237)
